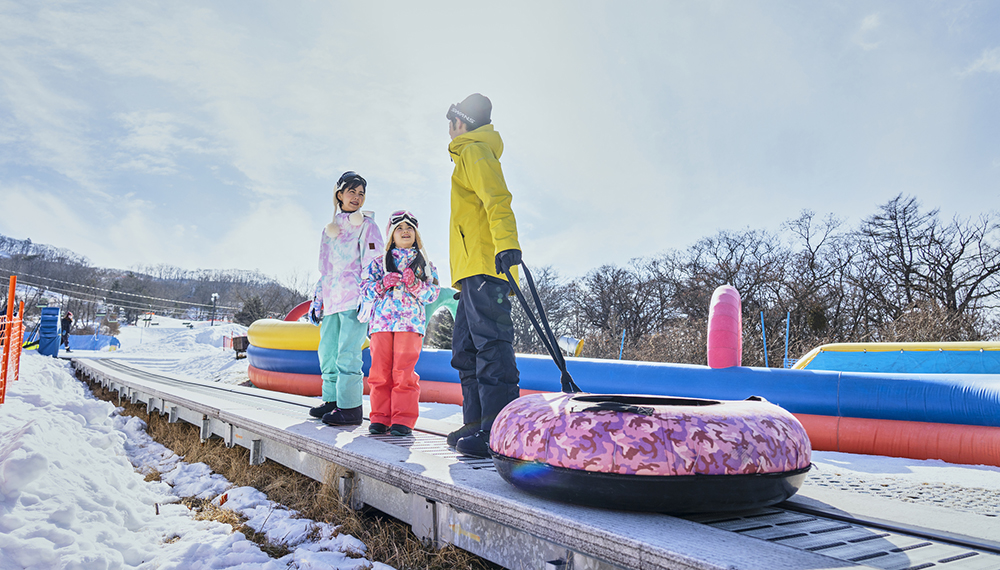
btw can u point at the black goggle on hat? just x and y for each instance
(474, 111)
(348, 179)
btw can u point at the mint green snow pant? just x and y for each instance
(340, 339)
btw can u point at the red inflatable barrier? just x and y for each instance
(298, 312)
(288, 382)
(450, 392)
(963, 444)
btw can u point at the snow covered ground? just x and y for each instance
(72, 490)
(72, 493)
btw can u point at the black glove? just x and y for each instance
(507, 259)
(314, 318)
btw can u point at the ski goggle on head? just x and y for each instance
(455, 113)
(400, 216)
(348, 179)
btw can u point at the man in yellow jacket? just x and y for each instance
(483, 247)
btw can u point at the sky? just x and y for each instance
(209, 135)
(56, 513)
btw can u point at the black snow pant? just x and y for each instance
(482, 351)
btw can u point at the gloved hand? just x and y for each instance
(388, 281)
(507, 259)
(409, 278)
(316, 311)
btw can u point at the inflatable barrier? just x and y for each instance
(278, 360)
(910, 357)
(822, 400)
(725, 328)
(283, 335)
(953, 416)
(93, 342)
(288, 382)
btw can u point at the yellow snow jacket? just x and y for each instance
(482, 222)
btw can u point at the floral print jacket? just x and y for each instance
(400, 309)
(342, 260)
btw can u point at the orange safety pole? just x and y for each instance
(7, 337)
(19, 334)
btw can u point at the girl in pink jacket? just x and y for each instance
(396, 288)
(347, 246)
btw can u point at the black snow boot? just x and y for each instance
(344, 417)
(464, 431)
(475, 445)
(400, 429)
(320, 411)
(376, 428)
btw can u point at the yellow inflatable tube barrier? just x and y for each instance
(285, 335)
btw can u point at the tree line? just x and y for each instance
(49, 273)
(902, 274)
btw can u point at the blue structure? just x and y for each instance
(970, 399)
(910, 357)
(48, 332)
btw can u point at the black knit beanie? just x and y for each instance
(474, 111)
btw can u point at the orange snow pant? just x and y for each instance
(394, 386)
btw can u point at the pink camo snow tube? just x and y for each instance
(651, 453)
(725, 328)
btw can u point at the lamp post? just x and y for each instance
(215, 297)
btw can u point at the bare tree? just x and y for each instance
(910, 260)
(960, 267)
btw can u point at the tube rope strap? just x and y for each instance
(548, 339)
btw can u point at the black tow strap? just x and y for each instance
(548, 339)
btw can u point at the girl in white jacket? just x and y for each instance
(348, 245)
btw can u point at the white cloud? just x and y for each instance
(153, 141)
(45, 217)
(46, 128)
(274, 235)
(989, 62)
(869, 26)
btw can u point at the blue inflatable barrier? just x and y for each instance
(922, 362)
(280, 360)
(92, 342)
(964, 357)
(970, 399)
(295, 361)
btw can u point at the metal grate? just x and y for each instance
(851, 542)
(434, 445)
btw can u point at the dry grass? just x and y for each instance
(389, 541)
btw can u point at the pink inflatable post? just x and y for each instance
(725, 328)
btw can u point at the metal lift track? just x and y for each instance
(449, 499)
